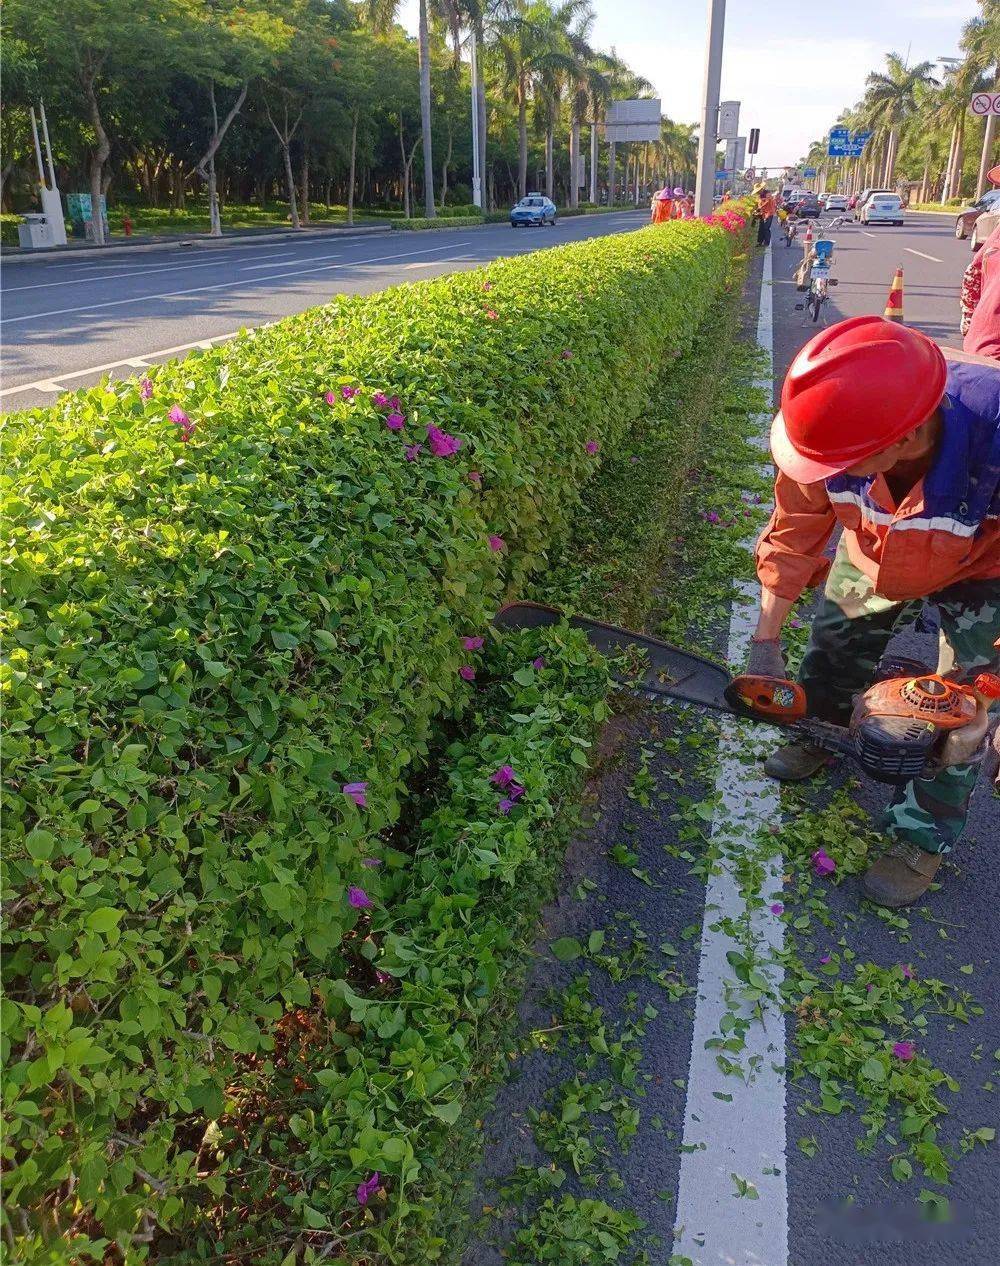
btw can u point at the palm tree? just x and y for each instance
(981, 42)
(891, 100)
(381, 15)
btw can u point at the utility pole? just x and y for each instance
(477, 179)
(705, 188)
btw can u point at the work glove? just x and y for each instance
(766, 660)
(962, 746)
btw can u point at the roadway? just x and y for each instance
(69, 320)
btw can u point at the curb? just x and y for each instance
(17, 255)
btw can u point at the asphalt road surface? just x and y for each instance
(816, 1200)
(67, 320)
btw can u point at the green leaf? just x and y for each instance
(448, 1112)
(595, 942)
(873, 1070)
(566, 948)
(104, 919)
(40, 844)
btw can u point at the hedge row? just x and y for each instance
(237, 600)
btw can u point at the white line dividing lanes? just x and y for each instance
(231, 285)
(742, 1135)
(933, 258)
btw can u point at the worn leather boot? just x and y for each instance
(796, 761)
(901, 875)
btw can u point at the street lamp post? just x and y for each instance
(705, 187)
(477, 179)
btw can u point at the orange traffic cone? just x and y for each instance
(809, 234)
(894, 304)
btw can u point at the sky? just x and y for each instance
(792, 66)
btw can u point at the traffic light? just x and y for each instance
(754, 140)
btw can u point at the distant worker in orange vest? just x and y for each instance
(678, 203)
(767, 204)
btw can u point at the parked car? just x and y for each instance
(807, 207)
(863, 197)
(835, 202)
(883, 208)
(984, 226)
(967, 220)
(534, 209)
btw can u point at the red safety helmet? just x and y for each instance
(852, 391)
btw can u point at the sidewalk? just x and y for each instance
(154, 241)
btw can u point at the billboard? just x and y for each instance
(637, 120)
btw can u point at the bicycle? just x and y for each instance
(791, 231)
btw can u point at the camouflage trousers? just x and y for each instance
(847, 640)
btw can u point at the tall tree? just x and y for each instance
(891, 100)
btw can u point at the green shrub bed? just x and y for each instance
(439, 222)
(238, 602)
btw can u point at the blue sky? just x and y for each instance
(793, 65)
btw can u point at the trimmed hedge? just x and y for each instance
(227, 600)
(440, 222)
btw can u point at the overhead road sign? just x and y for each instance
(984, 103)
(637, 120)
(736, 153)
(754, 142)
(808, 173)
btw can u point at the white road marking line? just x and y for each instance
(933, 258)
(300, 259)
(227, 285)
(51, 384)
(134, 272)
(746, 1136)
(867, 234)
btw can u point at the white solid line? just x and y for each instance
(715, 1226)
(228, 285)
(867, 234)
(134, 272)
(933, 258)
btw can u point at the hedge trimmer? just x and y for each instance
(895, 733)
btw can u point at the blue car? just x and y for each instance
(534, 209)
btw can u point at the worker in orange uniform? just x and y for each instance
(662, 207)
(882, 436)
(767, 204)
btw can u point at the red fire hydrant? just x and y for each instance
(127, 225)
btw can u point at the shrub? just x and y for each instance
(235, 614)
(439, 222)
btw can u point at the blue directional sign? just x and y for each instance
(808, 173)
(839, 140)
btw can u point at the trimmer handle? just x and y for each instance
(771, 699)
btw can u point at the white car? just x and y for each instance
(883, 208)
(836, 202)
(863, 197)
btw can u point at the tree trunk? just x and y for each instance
(481, 107)
(305, 184)
(612, 174)
(424, 52)
(925, 180)
(206, 166)
(98, 155)
(446, 164)
(890, 158)
(574, 164)
(327, 192)
(956, 173)
(354, 159)
(522, 138)
(293, 210)
(406, 170)
(549, 165)
(946, 183)
(593, 162)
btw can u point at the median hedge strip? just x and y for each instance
(230, 595)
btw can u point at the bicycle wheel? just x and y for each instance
(815, 303)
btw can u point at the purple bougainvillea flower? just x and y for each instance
(381, 976)
(442, 444)
(329, 397)
(467, 672)
(712, 516)
(491, 315)
(487, 285)
(178, 416)
(869, 987)
(395, 403)
(904, 1051)
(515, 791)
(496, 542)
(348, 393)
(503, 776)
(777, 908)
(825, 959)
(634, 460)
(357, 792)
(395, 421)
(371, 862)
(505, 806)
(823, 864)
(539, 662)
(566, 354)
(412, 451)
(475, 477)
(358, 898)
(368, 1188)
(473, 643)
(592, 446)
(380, 400)
(907, 971)
(146, 388)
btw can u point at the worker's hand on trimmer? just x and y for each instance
(765, 659)
(962, 745)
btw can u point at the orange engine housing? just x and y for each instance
(931, 698)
